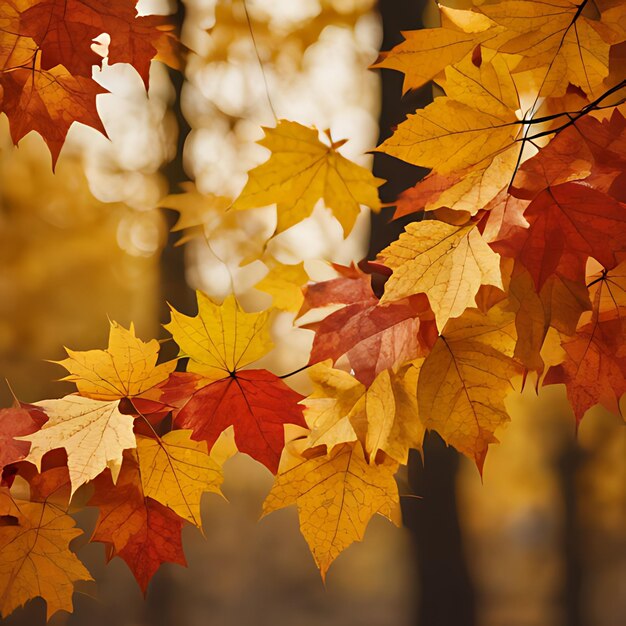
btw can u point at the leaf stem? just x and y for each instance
(300, 369)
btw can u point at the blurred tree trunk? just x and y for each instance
(446, 596)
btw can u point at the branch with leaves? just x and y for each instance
(514, 267)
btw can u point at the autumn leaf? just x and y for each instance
(256, 402)
(427, 52)
(35, 559)
(464, 380)
(467, 127)
(220, 341)
(607, 289)
(470, 190)
(373, 336)
(137, 528)
(594, 370)
(176, 471)
(447, 263)
(302, 170)
(93, 433)
(198, 213)
(221, 338)
(46, 60)
(62, 28)
(382, 416)
(337, 495)
(284, 283)
(555, 39)
(589, 150)
(569, 223)
(15, 422)
(49, 102)
(125, 369)
(559, 304)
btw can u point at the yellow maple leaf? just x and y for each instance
(556, 39)
(198, 212)
(221, 338)
(93, 433)
(481, 184)
(125, 369)
(464, 380)
(382, 416)
(284, 283)
(473, 123)
(428, 51)
(302, 170)
(176, 471)
(35, 559)
(448, 263)
(337, 495)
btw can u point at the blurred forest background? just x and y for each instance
(540, 542)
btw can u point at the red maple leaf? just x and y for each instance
(256, 403)
(374, 337)
(136, 528)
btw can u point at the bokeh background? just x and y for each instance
(541, 541)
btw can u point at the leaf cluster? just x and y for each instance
(514, 269)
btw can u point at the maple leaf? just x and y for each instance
(607, 289)
(469, 190)
(198, 213)
(46, 60)
(373, 336)
(382, 416)
(15, 422)
(93, 432)
(337, 495)
(256, 402)
(284, 283)
(49, 102)
(589, 150)
(468, 127)
(464, 380)
(35, 559)
(569, 223)
(125, 369)
(594, 368)
(302, 170)
(428, 51)
(559, 304)
(176, 471)
(137, 528)
(220, 341)
(221, 338)
(447, 263)
(557, 40)
(61, 28)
